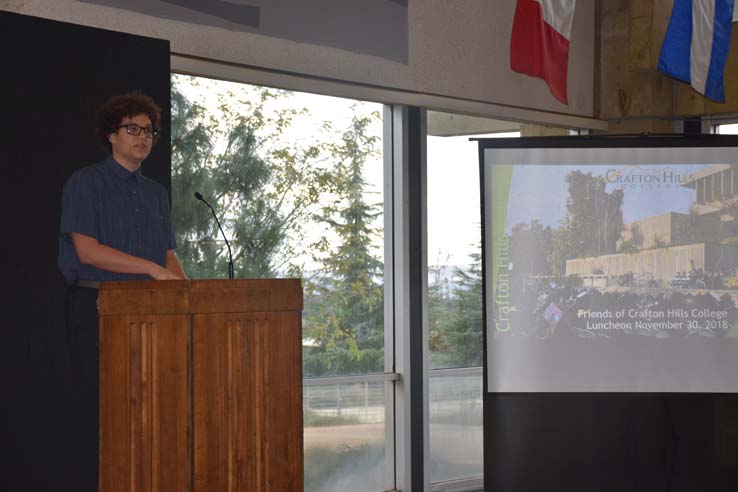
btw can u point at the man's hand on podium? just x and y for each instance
(160, 273)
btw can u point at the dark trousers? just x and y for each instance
(83, 341)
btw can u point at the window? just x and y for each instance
(455, 323)
(455, 296)
(728, 129)
(303, 190)
(297, 180)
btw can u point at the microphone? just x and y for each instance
(230, 256)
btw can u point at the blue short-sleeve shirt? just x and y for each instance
(123, 210)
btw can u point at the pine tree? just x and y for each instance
(461, 329)
(344, 307)
(441, 306)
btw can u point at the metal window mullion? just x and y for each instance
(400, 248)
(423, 163)
(390, 309)
(363, 378)
(456, 372)
(389, 203)
(411, 405)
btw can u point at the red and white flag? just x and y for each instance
(539, 45)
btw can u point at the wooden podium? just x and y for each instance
(201, 386)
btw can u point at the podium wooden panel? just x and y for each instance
(201, 386)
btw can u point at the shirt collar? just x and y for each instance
(120, 171)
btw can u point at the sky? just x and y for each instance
(454, 210)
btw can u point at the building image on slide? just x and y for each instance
(698, 249)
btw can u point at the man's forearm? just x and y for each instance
(91, 252)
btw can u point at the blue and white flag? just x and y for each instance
(696, 44)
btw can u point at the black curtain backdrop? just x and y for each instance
(54, 77)
(608, 442)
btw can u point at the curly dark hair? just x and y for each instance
(110, 114)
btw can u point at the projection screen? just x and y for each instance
(610, 269)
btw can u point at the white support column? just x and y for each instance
(393, 318)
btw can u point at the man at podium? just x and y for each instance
(115, 225)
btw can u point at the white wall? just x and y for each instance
(457, 49)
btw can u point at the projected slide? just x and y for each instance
(611, 272)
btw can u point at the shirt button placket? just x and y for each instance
(137, 219)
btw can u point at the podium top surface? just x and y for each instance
(199, 296)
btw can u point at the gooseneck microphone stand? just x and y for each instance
(230, 256)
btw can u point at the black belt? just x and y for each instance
(88, 284)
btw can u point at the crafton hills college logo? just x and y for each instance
(635, 176)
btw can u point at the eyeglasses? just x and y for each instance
(135, 130)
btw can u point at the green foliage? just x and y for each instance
(732, 281)
(344, 308)
(636, 236)
(262, 193)
(733, 332)
(634, 243)
(559, 252)
(268, 193)
(530, 246)
(658, 242)
(440, 307)
(593, 221)
(455, 319)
